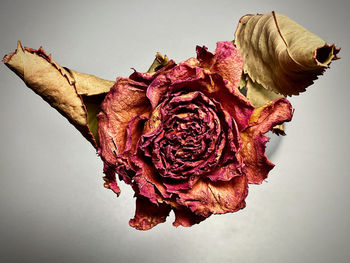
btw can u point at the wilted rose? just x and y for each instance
(186, 139)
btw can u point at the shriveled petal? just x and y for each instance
(148, 77)
(146, 181)
(126, 100)
(148, 215)
(157, 89)
(217, 88)
(133, 132)
(208, 197)
(110, 180)
(184, 217)
(227, 61)
(253, 149)
(226, 172)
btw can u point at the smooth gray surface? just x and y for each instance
(53, 207)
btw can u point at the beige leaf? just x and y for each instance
(258, 95)
(281, 55)
(75, 95)
(158, 62)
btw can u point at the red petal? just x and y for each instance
(110, 180)
(214, 87)
(126, 100)
(184, 217)
(208, 197)
(227, 61)
(253, 148)
(226, 172)
(148, 215)
(146, 180)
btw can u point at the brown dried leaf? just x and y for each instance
(258, 95)
(75, 95)
(281, 55)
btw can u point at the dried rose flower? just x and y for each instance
(186, 139)
(183, 135)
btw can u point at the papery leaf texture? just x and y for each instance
(280, 55)
(75, 95)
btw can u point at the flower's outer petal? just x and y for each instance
(160, 85)
(148, 215)
(205, 57)
(253, 148)
(148, 77)
(126, 100)
(157, 89)
(226, 172)
(219, 197)
(184, 217)
(133, 133)
(227, 61)
(146, 180)
(110, 180)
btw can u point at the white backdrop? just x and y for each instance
(53, 207)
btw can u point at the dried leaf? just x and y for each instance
(258, 95)
(158, 62)
(281, 55)
(75, 95)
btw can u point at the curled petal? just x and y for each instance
(148, 215)
(227, 61)
(253, 149)
(219, 89)
(219, 197)
(225, 173)
(110, 180)
(146, 179)
(148, 77)
(126, 100)
(184, 217)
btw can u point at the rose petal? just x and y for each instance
(126, 100)
(149, 77)
(227, 61)
(253, 149)
(214, 87)
(110, 180)
(219, 197)
(226, 172)
(148, 183)
(148, 215)
(184, 217)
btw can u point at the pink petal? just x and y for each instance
(110, 180)
(226, 172)
(184, 217)
(253, 149)
(227, 61)
(126, 100)
(148, 215)
(208, 197)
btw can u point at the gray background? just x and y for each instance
(53, 207)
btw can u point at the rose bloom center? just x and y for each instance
(191, 140)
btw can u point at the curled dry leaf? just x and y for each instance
(75, 95)
(280, 55)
